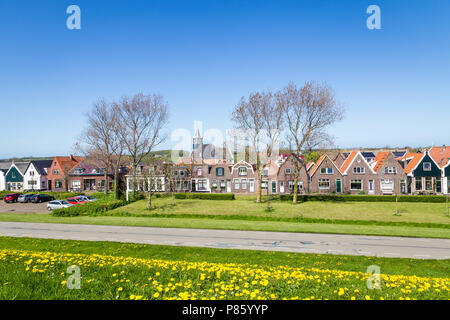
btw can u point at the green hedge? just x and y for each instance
(206, 196)
(91, 208)
(364, 198)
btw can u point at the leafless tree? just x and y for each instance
(308, 112)
(101, 140)
(142, 119)
(248, 117)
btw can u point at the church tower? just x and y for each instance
(197, 145)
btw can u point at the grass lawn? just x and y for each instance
(37, 269)
(201, 223)
(245, 206)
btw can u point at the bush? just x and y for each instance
(364, 198)
(205, 196)
(56, 195)
(91, 208)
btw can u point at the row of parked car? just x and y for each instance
(53, 204)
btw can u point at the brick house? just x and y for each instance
(89, 175)
(58, 173)
(286, 176)
(358, 175)
(391, 178)
(220, 178)
(244, 179)
(326, 177)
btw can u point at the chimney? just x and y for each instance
(443, 148)
(72, 158)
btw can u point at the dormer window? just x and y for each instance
(219, 172)
(79, 171)
(242, 171)
(427, 166)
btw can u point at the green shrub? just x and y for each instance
(56, 195)
(364, 198)
(91, 208)
(205, 196)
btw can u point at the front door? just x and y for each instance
(228, 185)
(193, 186)
(49, 185)
(252, 185)
(281, 186)
(338, 186)
(274, 187)
(371, 187)
(438, 185)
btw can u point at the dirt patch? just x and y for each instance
(23, 207)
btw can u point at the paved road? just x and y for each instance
(255, 240)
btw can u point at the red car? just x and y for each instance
(12, 197)
(75, 201)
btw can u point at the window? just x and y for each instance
(324, 183)
(264, 185)
(220, 172)
(242, 171)
(428, 183)
(355, 185)
(199, 172)
(202, 184)
(185, 185)
(79, 171)
(178, 187)
(387, 184)
(214, 183)
(236, 184)
(358, 170)
(244, 184)
(287, 171)
(31, 173)
(175, 174)
(101, 184)
(427, 166)
(222, 184)
(76, 184)
(291, 185)
(402, 186)
(56, 172)
(265, 172)
(181, 174)
(418, 184)
(390, 170)
(326, 170)
(58, 184)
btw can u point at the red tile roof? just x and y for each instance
(441, 155)
(379, 159)
(414, 160)
(68, 163)
(348, 161)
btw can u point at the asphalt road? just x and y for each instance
(417, 248)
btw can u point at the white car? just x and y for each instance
(86, 198)
(58, 204)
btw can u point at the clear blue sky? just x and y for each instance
(204, 55)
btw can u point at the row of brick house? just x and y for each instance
(354, 172)
(62, 173)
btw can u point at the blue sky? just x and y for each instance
(202, 56)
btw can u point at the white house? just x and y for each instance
(4, 167)
(35, 177)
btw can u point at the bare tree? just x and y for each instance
(101, 141)
(142, 119)
(248, 116)
(308, 112)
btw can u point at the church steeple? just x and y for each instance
(197, 144)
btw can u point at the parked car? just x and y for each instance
(76, 201)
(37, 198)
(86, 198)
(12, 197)
(58, 204)
(24, 198)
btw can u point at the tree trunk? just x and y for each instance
(149, 201)
(258, 194)
(296, 174)
(116, 187)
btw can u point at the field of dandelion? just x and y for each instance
(38, 269)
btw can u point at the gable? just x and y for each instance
(356, 160)
(419, 171)
(14, 175)
(325, 162)
(447, 170)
